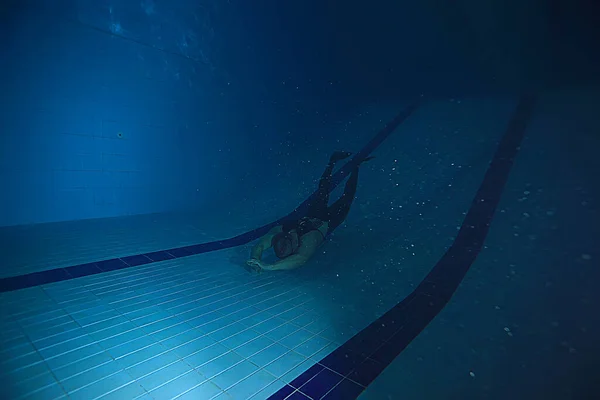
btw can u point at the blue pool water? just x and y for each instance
(145, 148)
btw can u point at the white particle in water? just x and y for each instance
(472, 374)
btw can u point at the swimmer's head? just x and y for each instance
(285, 244)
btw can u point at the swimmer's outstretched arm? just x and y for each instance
(310, 243)
(291, 262)
(265, 242)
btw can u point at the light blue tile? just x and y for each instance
(108, 324)
(146, 319)
(335, 335)
(99, 388)
(170, 301)
(65, 347)
(312, 346)
(234, 374)
(268, 325)
(305, 319)
(13, 341)
(269, 354)
(297, 371)
(32, 317)
(22, 374)
(90, 377)
(48, 320)
(233, 306)
(78, 309)
(53, 340)
(122, 350)
(145, 396)
(153, 364)
(141, 355)
(223, 396)
(47, 312)
(318, 326)
(28, 359)
(229, 303)
(164, 375)
(114, 297)
(52, 392)
(9, 327)
(208, 297)
(281, 331)
(75, 356)
(28, 312)
(254, 346)
(131, 305)
(112, 331)
(292, 313)
(285, 363)
(18, 350)
(219, 364)
(129, 391)
(182, 338)
(161, 325)
(206, 355)
(134, 303)
(310, 304)
(243, 314)
(279, 308)
(296, 339)
(194, 346)
(207, 390)
(28, 386)
(257, 317)
(184, 308)
(74, 297)
(268, 391)
(227, 331)
(178, 386)
(81, 366)
(267, 297)
(251, 385)
(216, 322)
(244, 335)
(100, 314)
(318, 356)
(138, 316)
(170, 332)
(39, 334)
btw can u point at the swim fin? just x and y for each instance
(339, 156)
(366, 159)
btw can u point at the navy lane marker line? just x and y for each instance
(348, 370)
(76, 271)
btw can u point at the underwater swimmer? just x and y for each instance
(294, 242)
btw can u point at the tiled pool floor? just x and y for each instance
(184, 328)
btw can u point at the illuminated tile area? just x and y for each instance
(171, 329)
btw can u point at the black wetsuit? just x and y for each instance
(319, 210)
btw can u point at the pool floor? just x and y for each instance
(195, 327)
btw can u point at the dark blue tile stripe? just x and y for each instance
(363, 357)
(60, 274)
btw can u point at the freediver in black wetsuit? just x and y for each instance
(296, 241)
